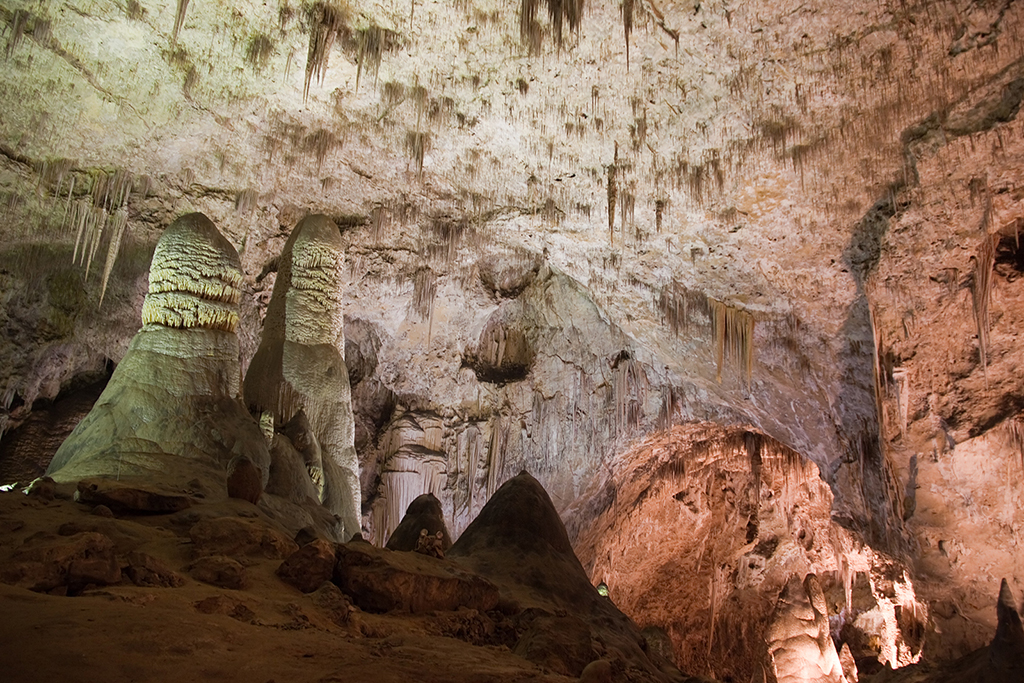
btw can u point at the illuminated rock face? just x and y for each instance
(300, 364)
(173, 403)
(800, 648)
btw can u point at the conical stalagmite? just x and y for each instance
(300, 364)
(423, 513)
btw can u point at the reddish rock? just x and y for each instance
(130, 498)
(146, 570)
(220, 571)
(74, 562)
(309, 567)
(239, 537)
(380, 580)
(44, 489)
(336, 604)
(245, 481)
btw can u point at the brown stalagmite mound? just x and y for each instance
(518, 541)
(423, 513)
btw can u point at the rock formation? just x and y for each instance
(800, 647)
(300, 365)
(172, 410)
(424, 514)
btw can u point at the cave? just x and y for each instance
(477, 341)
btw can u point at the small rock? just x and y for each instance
(223, 604)
(336, 604)
(130, 498)
(75, 562)
(146, 570)
(598, 671)
(43, 489)
(239, 537)
(245, 481)
(102, 511)
(220, 571)
(309, 567)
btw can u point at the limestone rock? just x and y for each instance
(309, 566)
(423, 513)
(300, 363)
(519, 542)
(146, 570)
(73, 562)
(848, 663)
(171, 408)
(245, 481)
(381, 580)
(220, 571)
(800, 646)
(130, 498)
(239, 537)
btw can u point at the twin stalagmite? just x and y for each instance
(175, 410)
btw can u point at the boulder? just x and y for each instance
(130, 498)
(146, 570)
(379, 580)
(220, 571)
(73, 562)
(309, 567)
(239, 537)
(245, 481)
(423, 513)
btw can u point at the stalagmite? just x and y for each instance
(800, 649)
(173, 404)
(300, 364)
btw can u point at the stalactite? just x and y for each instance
(496, 456)
(631, 387)
(981, 292)
(679, 306)
(373, 41)
(733, 330)
(325, 19)
(118, 223)
(613, 191)
(179, 19)
(627, 24)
